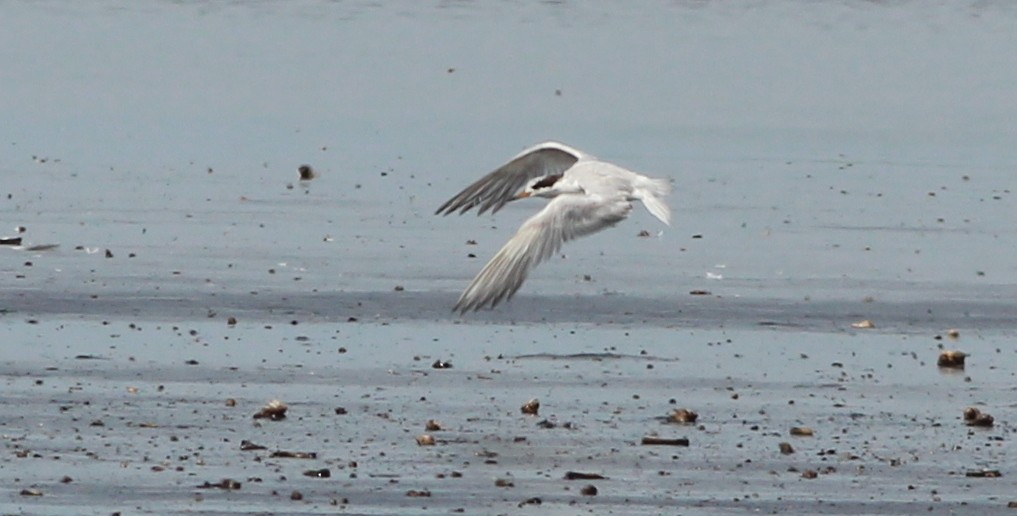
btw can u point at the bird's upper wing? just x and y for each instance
(492, 191)
(563, 219)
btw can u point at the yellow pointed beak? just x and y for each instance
(521, 195)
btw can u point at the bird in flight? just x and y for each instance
(587, 195)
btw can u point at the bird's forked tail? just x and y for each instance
(652, 193)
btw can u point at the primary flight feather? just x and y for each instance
(587, 195)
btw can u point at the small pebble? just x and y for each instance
(984, 473)
(531, 407)
(975, 417)
(682, 416)
(952, 359)
(578, 475)
(318, 473)
(306, 172)
(658, 441)
(274, 410)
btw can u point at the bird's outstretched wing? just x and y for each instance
(492, 191)
(565, 218)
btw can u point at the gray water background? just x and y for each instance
(818, 148)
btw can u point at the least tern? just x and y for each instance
(587, 195)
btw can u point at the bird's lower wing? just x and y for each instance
(563, 219)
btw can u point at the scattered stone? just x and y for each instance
(66, 480)
(801, 431)
(531, 501)
(109, 254)
(588, 490)
(975, 417)
(274, 410)
(1012, 505)
(440, 364)
(531, 407)
(432, 426)
(306, 172)
(282, 454)
(983, 473)
(414, 493)
(547, 424)
(231, 402)
(11, 241)
(658, 441)
(296, 496)
(810, 474)
(952, 359)
(425, 440)
(246, 445)
(232, 321)
(42, 247)
(227, 483)
(953, 333)
(318, 473)
(864, 324)
(682, 416)
(31, 492)
(504, 482)
(786, 448)
(578, 475)
(643, 233)
(699, 292)
(341, 411)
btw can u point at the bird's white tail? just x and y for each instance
(652, 193)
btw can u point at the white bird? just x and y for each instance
(587, 195)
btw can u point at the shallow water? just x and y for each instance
(833, 162)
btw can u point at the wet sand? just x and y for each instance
(130, 413)
(187, 277)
